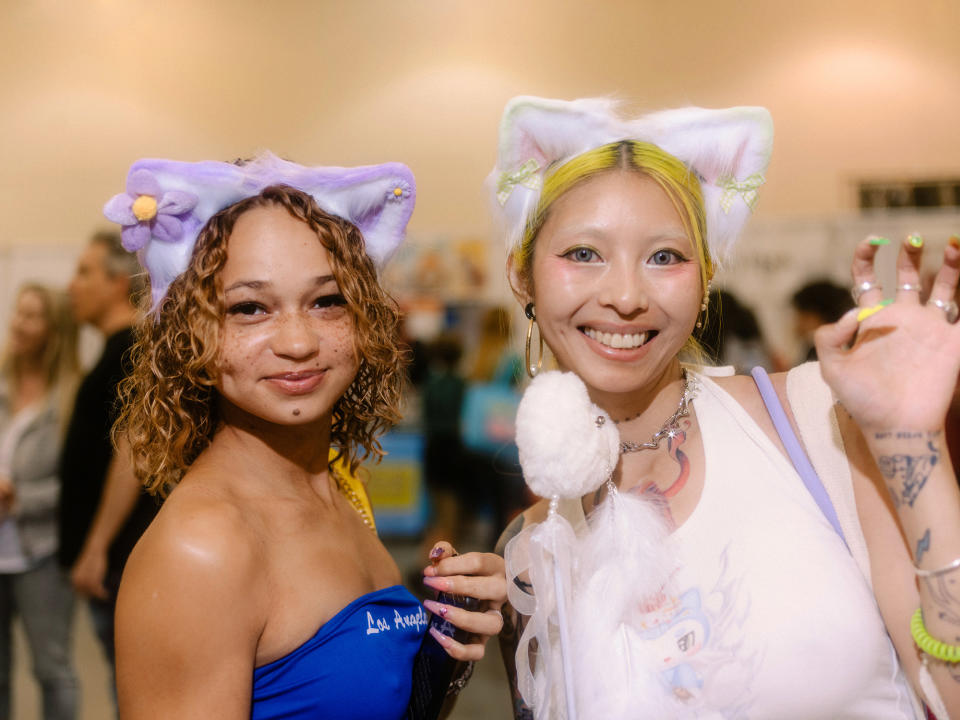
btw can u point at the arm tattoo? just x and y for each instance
(513, 626)
(946, 599)
(923, 544)
(907, 474)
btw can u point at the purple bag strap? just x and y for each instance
(795, 450)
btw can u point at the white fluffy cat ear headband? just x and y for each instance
(167, 203)
(727, 149)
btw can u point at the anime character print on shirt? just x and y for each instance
(696, 639)
(675, 631)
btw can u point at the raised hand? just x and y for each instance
(902, 367)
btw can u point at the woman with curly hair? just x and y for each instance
(264, 374)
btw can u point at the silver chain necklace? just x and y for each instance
(672, 425)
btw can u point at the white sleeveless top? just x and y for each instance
(772, 617)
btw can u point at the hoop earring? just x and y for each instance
(532, 316)
(703, 306)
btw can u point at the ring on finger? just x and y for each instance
(949, 308)
(860, 288)
(908, 287)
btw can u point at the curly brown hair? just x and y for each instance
(169, 410)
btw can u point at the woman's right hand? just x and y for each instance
(476, 575)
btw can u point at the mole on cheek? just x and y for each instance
(296, 412)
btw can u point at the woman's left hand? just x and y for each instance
(476, 575)
(902, 367)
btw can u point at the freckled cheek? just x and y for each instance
(239, 350)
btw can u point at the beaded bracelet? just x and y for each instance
(929, 644)
(939, 571)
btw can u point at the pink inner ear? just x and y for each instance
(722, 166)
(528, 148)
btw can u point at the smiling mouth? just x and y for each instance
(619, 341)
(297, 383)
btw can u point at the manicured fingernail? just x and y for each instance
(437, 583)
(915, 240)
(436, 552)
(954, 241)
(868, 311)
(440, 637)
(879, 241)
(436, 608)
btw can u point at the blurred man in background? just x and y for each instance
(103, 510)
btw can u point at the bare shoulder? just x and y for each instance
(536, 513)
(190, 611)
(196, 532)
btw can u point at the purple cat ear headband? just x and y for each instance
(167, 203)
(728, 150)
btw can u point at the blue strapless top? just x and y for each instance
(358, 665)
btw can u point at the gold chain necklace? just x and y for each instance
(354, 499)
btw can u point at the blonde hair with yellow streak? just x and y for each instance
(678, 182)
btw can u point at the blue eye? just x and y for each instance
(666, 257)
(582, 254)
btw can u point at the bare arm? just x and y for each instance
(117, 501)
(896, 381)
(188, 620)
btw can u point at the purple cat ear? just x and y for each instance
(167, 203)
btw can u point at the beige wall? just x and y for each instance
(857, 89)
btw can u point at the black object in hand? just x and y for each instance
(433, 668)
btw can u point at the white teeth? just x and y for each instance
(617, 340)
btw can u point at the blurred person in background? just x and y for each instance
(38, 374)
(731, 334)
(817, 303)
(443, 459)
(488, 418)
(103, 509)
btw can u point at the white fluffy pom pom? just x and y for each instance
(568, 446)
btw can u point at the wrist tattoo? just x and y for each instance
(923, 544)
(907, 474)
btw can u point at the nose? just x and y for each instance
(622, 288)
(295, 336)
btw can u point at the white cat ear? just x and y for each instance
(729, 149)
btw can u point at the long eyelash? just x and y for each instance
(241, 306)
(329, 300)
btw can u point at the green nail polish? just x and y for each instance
(915, 240)
(872, 310)
(879, 241)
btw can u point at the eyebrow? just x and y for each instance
(318, 281)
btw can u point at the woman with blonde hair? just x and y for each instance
(38, 377)
(718, 565)
(264, 374)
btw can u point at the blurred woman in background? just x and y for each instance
(38, 377)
